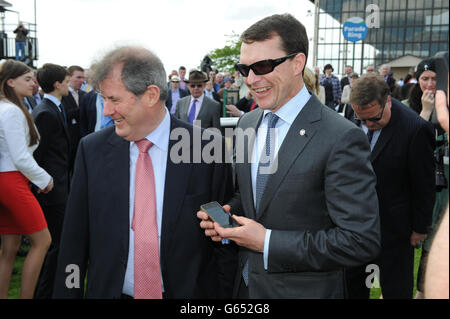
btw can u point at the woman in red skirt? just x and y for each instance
(20, 213)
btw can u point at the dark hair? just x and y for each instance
(291, 31)
(71, 70)
(49, 74)
(328, 66)
(368, 88)
(12, 69)
(415, 98)
(182, 68)
(140, 68)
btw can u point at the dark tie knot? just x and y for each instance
(273, 119)
(144, 145)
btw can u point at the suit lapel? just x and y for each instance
(246, 171)
(293, 145)
(59, 114)
(117, 160)
(386, 135)
(203, 114)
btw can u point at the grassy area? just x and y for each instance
(14, 287)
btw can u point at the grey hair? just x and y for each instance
(140, 68)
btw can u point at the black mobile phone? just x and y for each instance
(217, 214)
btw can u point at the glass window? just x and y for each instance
(434, 48)
(436, 34)
(420, 4)
(411, 4)
(390, 5)
(418, 34)
(444, 33)
(420, 18)
(437, 14)
(388, 34)
(408, 48)
(410, 34)
(428, 4)
(410, 17)
(443, 46)
(425, 50)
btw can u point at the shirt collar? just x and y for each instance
(199, 99)
(289, 112)
(160, 136)
(52, 98)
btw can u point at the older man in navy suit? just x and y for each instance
(130, 221)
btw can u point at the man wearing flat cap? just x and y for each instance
(197, 106)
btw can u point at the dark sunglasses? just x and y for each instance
(262, 67)
(195, 85)
(372, 119)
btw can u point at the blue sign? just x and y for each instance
(355, 29)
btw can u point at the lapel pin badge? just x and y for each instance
(302, 132)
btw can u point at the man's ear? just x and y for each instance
(152, 95)
(300, 63)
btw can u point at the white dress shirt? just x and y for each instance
(287, 114)
(15, 154)
(158, 154)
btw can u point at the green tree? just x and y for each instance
(225, 58)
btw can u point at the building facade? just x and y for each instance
(416, 28)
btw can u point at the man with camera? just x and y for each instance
(402, 145)
(21, 40)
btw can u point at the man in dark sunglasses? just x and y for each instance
(402, 146)
(198, 108)
(315, 211)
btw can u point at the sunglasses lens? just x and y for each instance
(262, 67)
(243, 69)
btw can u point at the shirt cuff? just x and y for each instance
(266, 248)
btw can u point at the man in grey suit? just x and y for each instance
(197, 106)
(314, 212)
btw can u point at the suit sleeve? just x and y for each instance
(73, 250)
(45, 123)
(421, 166)
(352, 204)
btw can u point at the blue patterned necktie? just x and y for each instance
(263, 172)
(266, 159)
(191, 115)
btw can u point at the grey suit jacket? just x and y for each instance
(321, 205)
(209, 114)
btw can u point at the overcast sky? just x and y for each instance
(180, 32)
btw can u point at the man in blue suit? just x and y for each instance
(99, 235)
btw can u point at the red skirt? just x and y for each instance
(20, 212)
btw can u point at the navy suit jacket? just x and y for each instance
(404, 164)
(96, 227)
(53, 151)
(88, 113)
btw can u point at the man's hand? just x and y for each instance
(417, 239)
(233, 110)
(250, 234)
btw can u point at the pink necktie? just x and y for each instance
(147, 269)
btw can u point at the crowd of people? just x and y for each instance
(87, 174)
